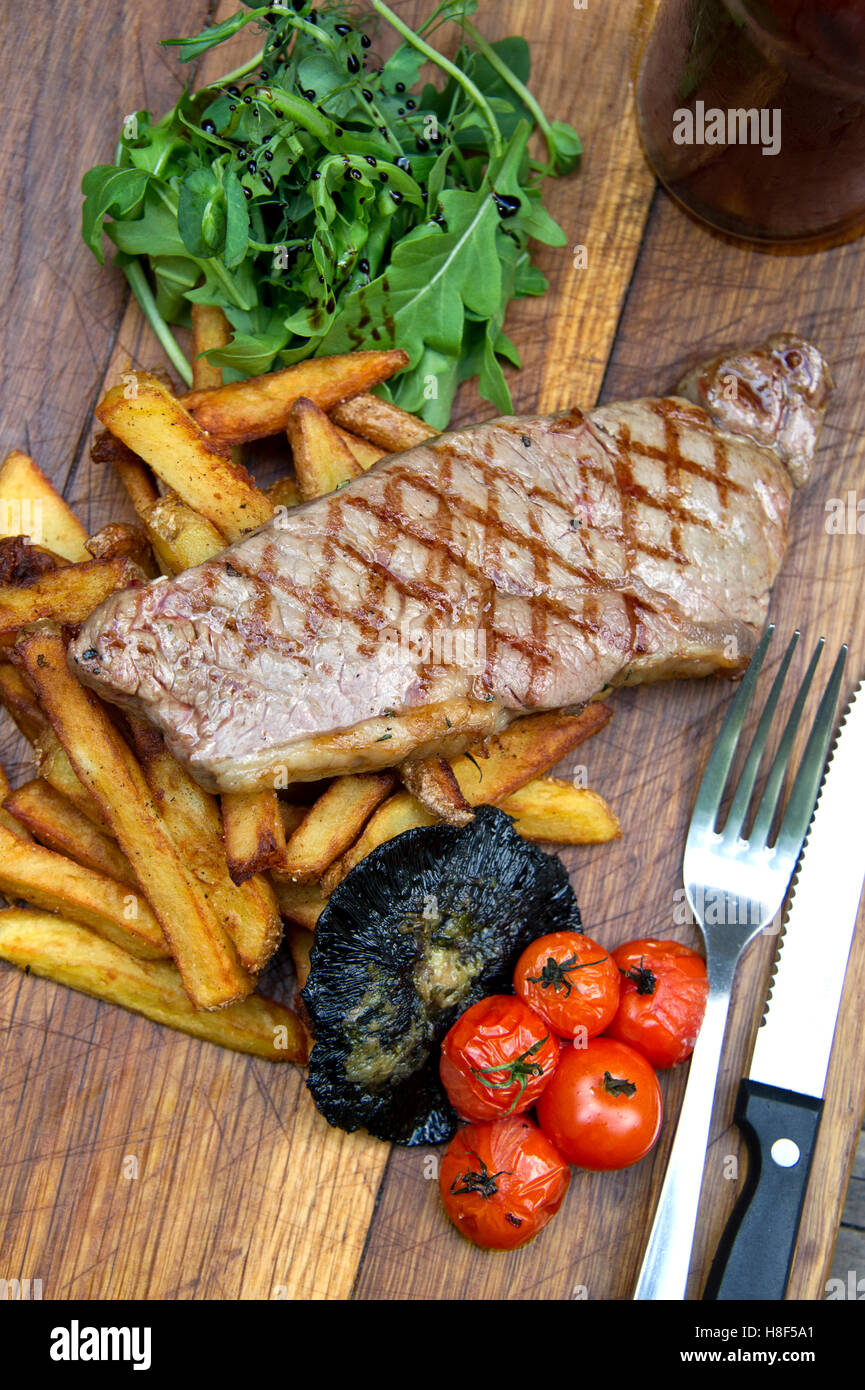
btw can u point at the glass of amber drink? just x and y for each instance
(752, 113)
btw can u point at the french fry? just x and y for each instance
(433, 782)
(67, 596)
(18, 700)
(248, 911)
(284, 492)
(487, 774)
(55, 822)
(525, 749)
(180, 536)
(291, 816)
(106, 766)
(384, 424)
(299, 940)
(21, 562)
(364, 451)
(333, 824)
(72, 955)
(253, 409)
(30, 506)
(57, 884)
(210, 329)
(322, 461)
(301, 903)
(154, 424)
(7, 820)
(555, 810)
(54, 766)
(399, 813)
(122, 540)
(130, 469)
(252, 833)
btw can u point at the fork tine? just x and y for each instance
(800, 807)
(718, 769)
(739, 808)
(763, 820)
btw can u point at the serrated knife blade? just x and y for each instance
(794, 1040)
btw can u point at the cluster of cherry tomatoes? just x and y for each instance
(579, 1040)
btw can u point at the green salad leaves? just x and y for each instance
(327, 201)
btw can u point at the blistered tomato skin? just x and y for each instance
(602, 1109)
(663, 998)
(570, 981)
(497, 1058)
(501, 1182)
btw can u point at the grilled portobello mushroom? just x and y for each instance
(423, 927)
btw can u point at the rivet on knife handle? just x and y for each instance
(780, 1129)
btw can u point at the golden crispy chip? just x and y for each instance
(252, 832)
(122, 539)
(525, 749)
(253, 409)
(555, 810)
(248, 911)
(21, 562)
(56, 822)
(58, 884)
(180, 536)
(384, 424)
(302, 903)
(67, 596)
(104, 763)
(299, 941)
(399, 813)
(291, 816)
(487, 774)
(333, 823)
(72, 955)
(30, 506)
(210, 329)
(433, 782)
(154, 424)
(364, 451)
(130, 469)
(7, 819)
(14, 826)
(284, 492)
(18, 699)
(53, 764)
(322, 461)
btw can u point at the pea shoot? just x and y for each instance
(327, 201)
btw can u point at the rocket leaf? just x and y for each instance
(327, 201)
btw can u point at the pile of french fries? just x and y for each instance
(141, 887)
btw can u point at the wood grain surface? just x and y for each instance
(141, 1163)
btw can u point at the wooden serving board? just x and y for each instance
(141, 1163)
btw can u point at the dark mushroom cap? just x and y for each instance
(424, 926)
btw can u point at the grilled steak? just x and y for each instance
(518, 565)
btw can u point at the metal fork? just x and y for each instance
(734, 887)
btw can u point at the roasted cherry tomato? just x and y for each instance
(501, 1182)
(570, 981)
(497, 1058)
(602, 1108)
(663, 999)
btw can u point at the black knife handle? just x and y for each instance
(754, 1254)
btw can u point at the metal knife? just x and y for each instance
(779, 1103)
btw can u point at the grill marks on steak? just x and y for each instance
(535, 556)
(631, 543)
